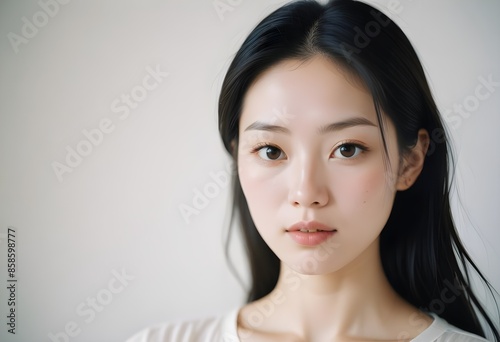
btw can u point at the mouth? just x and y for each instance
(310, 233)
(309, 227)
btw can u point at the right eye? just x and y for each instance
(268, 152)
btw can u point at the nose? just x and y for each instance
(308, 186)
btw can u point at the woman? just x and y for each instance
(341, 189)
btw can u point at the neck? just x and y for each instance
(354, 301)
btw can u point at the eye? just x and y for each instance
(268, 152)
(349, 151)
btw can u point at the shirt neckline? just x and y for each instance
(431, 333)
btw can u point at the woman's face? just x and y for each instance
(295, 171)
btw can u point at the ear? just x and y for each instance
(413, 161)
(233, 146)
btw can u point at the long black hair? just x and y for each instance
(421, 252)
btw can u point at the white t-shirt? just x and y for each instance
(223, 328)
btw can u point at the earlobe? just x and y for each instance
(233, 147)
(413, 161)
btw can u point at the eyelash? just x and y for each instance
(363, 148)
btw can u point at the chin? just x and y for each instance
(311, 266)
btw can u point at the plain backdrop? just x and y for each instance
(104, 250)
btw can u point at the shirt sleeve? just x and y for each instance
(441, 331)
(219, 328)
(459, 336)
(201, 330)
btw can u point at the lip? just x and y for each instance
(310, 238)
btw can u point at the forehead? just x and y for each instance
(316, 89)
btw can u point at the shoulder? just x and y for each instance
(215, 328)
(441, 331)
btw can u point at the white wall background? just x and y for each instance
(118, 210)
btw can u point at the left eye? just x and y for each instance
(348, 151)
(269, 152)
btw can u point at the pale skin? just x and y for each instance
(335, 291)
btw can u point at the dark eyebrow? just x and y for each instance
(333, 127)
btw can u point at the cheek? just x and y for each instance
(363, 193)
(261, 187)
